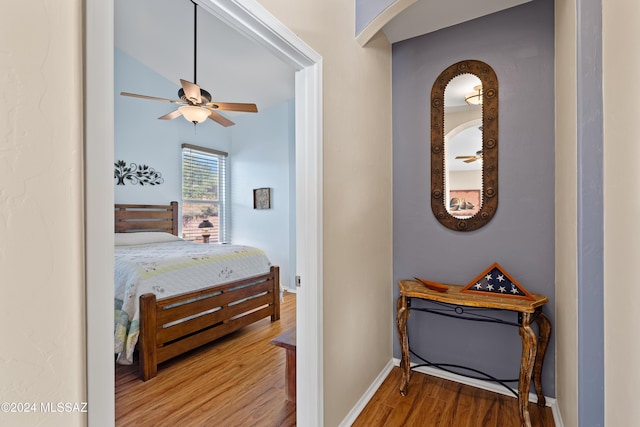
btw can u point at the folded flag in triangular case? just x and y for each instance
(495, 281)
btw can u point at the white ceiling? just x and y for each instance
(468, 141)
(457, 89)
(426, 16)
(233, 68)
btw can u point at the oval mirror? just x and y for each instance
(464, 145)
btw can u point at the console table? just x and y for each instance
(461, 305)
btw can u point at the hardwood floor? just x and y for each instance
(238, 381)
(435, 402)
(235, 381)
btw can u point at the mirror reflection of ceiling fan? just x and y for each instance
(195, 103)
(469, 159)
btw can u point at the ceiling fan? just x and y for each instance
(470, 159)
(195, 103)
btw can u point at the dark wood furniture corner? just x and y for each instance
(533, 348)
(287, 340)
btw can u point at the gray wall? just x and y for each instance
(518, 43)
(591, 321)
(368, 10)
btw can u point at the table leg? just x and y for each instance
(529, 347)
(290, 375)
(544, 328)
(405, 364)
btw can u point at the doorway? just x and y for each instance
(255, 22)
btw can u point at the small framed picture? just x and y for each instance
(262, 198)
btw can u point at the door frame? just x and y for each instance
(254, 21)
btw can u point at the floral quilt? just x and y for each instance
(172, 268)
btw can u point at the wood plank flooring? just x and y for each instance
(435, 402)
(238, 381)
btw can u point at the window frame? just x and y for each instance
(222, 159)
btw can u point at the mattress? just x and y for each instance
(166, 265)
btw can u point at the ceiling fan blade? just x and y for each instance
(191, 91)
(465, 157)
(219, 118)
(233, 106)
(170, 116)
(153, 98)
(470, 160)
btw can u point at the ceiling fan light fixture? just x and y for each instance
(194, 114)
(196, 105)
(475, 97)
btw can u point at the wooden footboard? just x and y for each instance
(175, 325)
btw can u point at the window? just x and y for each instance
(204, 185)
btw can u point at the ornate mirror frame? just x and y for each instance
(489, 145)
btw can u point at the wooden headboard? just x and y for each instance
(135, 218)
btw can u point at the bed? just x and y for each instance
(172, 296)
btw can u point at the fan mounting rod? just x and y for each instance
(206, 96)
(195, 43)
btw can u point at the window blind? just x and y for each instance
(204, 192)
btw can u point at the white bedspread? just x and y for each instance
(172, 268)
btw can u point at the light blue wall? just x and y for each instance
(260, 148)
(263, 155)
(519, 44)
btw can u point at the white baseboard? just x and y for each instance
(486, 385)
(366, 397)
(555, 410)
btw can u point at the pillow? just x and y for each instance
(144, 237)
